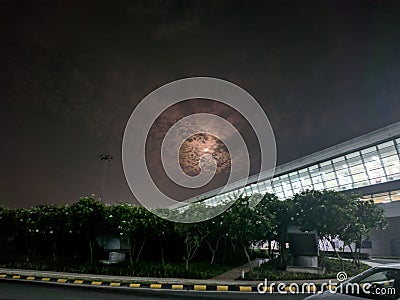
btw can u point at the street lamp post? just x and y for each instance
(106, 158)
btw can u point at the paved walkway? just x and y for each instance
(238, 272)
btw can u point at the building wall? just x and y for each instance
(386, 242)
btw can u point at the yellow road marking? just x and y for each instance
(62, 280)
(155, 286)
(198, 287)
(30, 278)
(134, 285)
(46, 279)
(311, 288)
(16, 277)
(177, 286)
(245, 288)
(115, 283)
(96, 282)
(78, 281)
(266, 289)
(331, 287)
(3, 275)
(222, 287)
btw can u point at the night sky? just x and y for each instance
(73, 71)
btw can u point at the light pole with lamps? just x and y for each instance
(106, 158)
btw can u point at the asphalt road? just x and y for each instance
(45, 291)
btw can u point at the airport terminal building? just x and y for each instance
(368, 165)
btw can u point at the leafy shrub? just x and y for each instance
(274, 270)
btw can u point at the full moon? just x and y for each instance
(198, 145)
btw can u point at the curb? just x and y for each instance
(153, 286)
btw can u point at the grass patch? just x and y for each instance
(275, 271)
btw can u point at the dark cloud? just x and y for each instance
(72, 72)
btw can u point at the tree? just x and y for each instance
(25, 222)
(367, 216)
(6, 217)
(86, 217)
(51, 224)
(162, 230)
(216, 229)
(327, 212)
(193, 235)
(247, 225)
(280, 217)
(144, 228)
(122, 219)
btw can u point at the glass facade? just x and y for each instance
(384, 197)
(367, 166)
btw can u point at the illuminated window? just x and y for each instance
(395, 195)
(316, 177)
(254, 188)
(305, 179)
(295, 181)
(342, 173)
(286, 187)
(277, 186)
(248, 191)
(381, 198)
(373, 165)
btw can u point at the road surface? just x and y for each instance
(45, 291)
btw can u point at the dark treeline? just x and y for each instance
(71, 230)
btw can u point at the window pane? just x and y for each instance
(326, 167)
(270, 190)
(314, 167)
(392, 167)
(286, 185)
(293, 176)
(288, 193)
(254, 188)
(357, 169)
(296, 186)
(344, 179)
(381, 198)
(388, 151)
(339, 162)
(375, 171)
(395, 195)
(360, 179)
(385, 145)
(316, 178)
(248, 191)
(354, 159)
(368, 150)
(305, 180)
(329, 176)
(331, 184)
